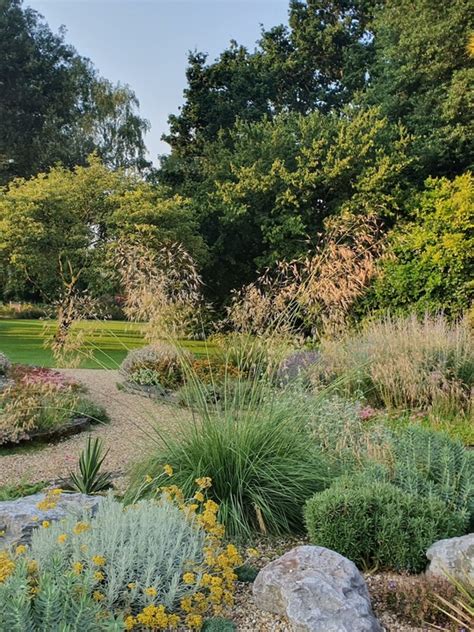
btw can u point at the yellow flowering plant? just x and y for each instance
(106, 557)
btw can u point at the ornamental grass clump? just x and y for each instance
(405, 363)
(156, 564)
(256, 451)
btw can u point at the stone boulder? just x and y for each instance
(318, 590)
(19, 517)
(454, 556)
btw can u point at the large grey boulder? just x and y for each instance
(454, 556)
(318, 590)
(19, 517)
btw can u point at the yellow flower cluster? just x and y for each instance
(154, 618)
(7, 566)
(81, 527)
(50, 500)
(20, 549)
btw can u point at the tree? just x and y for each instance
(422, 76)
(53, 105)
(67, 220)
(317, 63)
(432, 263)
(266, 199)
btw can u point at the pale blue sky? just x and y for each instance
(145, 42)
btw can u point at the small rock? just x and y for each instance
(19, 517)
(318, 590)
(454, 556)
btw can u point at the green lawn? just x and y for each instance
(23, 342)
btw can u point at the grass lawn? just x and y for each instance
(23, 342)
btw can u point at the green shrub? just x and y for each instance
(431, 265)
(405, 363)
(429, 463)
(379, 525)
(261, 463)
(156, 365)
(11, 492)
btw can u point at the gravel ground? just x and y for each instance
(128, 436)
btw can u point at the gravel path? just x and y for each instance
(128, 436)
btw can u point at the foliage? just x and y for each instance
(12, 492)
(431, 266)
(420, 77)
(159, 364)
(89, 479)
(50, 600)
(268, 198)
(429, 464)
(42, 400)
(261, 464)
(378, 524)
(160, 562)
(63, 223)
(316, 63)
(413, 598)
(55, 107)
(405, 363)
(24, 310)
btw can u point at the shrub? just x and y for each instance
(379, 525)
(429, 463)
(156, 365)
(5, 364)
(402, 363)
(431, 264)
(26, 311)
(262, 466)
(157, 564)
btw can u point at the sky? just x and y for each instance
(144, 43)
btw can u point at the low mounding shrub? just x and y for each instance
(401, 363)
(156, 365)
(379, 525)
(261, 463)
(5, 364)
(155, 565)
